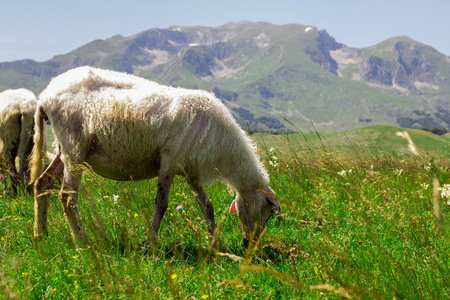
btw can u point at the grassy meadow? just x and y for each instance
(363, 218)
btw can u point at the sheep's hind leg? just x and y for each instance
(161, 204)
(69, 199)
(207, 210)
(15, 179)
(44, 183)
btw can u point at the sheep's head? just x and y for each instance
(254, 210)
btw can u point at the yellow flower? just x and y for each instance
(174, 276)
(3, 239)
(136, 215)
(76, 256)
(204, 297)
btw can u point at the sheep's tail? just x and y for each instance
(38, 155)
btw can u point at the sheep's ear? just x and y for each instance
(271, 198)
(233, 209)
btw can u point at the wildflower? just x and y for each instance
(445, 191)
(3, 239)
(174, 276)
(136, 215)
(345, 172)
(398, 172)
(424, 186)
(115, 199)
(179, 207)
(427, 168)
(75, 256)
(204, 297)
(273, 162)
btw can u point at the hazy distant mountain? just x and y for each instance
(265, 72)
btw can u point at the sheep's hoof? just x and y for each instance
(40, 234)
(148, 247)
(218, 246)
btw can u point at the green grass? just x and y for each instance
(360, 220)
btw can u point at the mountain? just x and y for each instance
(267, 73)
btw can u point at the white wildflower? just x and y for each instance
(273, 162)
(445, 191)
(345, 172)
(424, 186)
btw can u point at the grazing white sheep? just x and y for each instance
(129, 128)
(17, 108)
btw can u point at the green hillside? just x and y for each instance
(364, 142)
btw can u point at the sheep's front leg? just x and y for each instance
(161, 203)
(206, 208)
(69, 199)
(45, 182)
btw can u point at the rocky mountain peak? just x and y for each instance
(262, 71)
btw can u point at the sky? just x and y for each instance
(41, 29)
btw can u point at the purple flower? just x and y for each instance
(179, 207)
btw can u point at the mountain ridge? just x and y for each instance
(265, 73)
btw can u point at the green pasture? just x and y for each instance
(363, 218)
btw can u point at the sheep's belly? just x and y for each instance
(124, 168)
